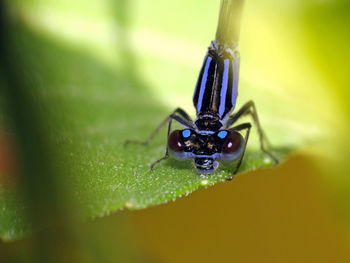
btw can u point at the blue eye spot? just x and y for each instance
(186, 133)
(222, 134)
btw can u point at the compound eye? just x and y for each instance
(175, 141)
(233, 143)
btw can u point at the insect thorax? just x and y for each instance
(208, 122)
(217, 85)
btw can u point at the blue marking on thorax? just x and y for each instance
(235, 67)
(186, 133)
(204, 132)
(224, 87)
(215, 156)
(199, 80)
(222, 134)
(203, 84)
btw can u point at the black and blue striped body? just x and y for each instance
(214, 135)
(216, 90)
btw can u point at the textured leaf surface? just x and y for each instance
(103, 84)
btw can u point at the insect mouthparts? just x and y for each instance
(206, 165)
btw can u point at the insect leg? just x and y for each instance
(171, 118)
(241, 127)
(186, 121)
(249, 108)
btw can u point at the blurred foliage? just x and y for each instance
(87, 111)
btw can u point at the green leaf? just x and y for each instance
(95, 93)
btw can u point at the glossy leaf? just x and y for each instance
(100, 81)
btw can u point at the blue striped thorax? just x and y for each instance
(217, 87)
(214, 99)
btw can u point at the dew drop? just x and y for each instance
(204, 182)
(130, 204)
(267, 160)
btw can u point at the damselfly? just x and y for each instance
(213, 136)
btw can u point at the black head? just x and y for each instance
(206, 148)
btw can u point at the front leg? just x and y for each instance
(171, 118)
(249, 108)
(244, 126)
(183, 119)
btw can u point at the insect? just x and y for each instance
(213, 135)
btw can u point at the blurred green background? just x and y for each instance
(103, 71)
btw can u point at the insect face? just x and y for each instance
(206, 148)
